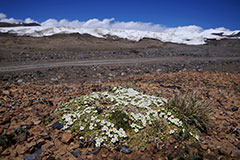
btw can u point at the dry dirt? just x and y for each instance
(33, 86)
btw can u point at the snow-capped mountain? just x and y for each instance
(191, 35)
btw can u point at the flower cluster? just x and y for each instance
(91, 113)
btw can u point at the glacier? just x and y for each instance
(190, 35)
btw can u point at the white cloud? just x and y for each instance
(10, 20)
(105, 23)
(29, 20)
(3, 18)
(50, 22)
(2, 15)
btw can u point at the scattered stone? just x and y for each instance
(52, 158)
(28, 109)
(221, 158)
(96, 150)
(6, 92)
(5, 152)
(36, 130)
(104, 156)
(238, 146)
(226, 149)
(45, 136)
(20, 81)
(90, 156)
(2, 110)
(54, 79)
(143, 149)
(6, 119)
(36, 121)
(107, 87)
(33, 156)
(21, 149)
(171, 87)
(66, 137)
(40, 142)
(237, 155)
(76, 152)
(58, 125)
(125, 150)
(110, 75)
(50, 103)
(21, 137)
(234, 109)
(204, 147)
(26, 126)
(146, 157)
(225, 124)
(37, 115)
(47, 145)
(31, 144)
(61, 152)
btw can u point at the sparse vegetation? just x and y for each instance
(123, 116)
(192, 109)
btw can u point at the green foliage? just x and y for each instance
(120, 119)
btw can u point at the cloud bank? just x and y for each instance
(3, 18)
(2, 15)
(91, 24)
(105, 24)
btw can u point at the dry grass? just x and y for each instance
(192, 109)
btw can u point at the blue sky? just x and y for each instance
(170, 13)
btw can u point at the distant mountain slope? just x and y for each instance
(4, 24)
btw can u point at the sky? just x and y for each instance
(145, 14)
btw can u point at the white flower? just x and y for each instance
(81, 128)
(133, 125)
(115, 130)
(197, 137)
(172, 131)
(91, 127)
(81, 137)
(112, 125)
(114, 140)
(98, 144)
(136, 130)
(108, 124)
(105, 128)
(121, 130)
(105, 137)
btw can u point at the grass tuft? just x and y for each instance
(192, 109)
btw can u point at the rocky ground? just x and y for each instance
(29, 97)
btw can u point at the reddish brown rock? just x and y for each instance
(21, 149)
(66, 137)
(47, 145)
